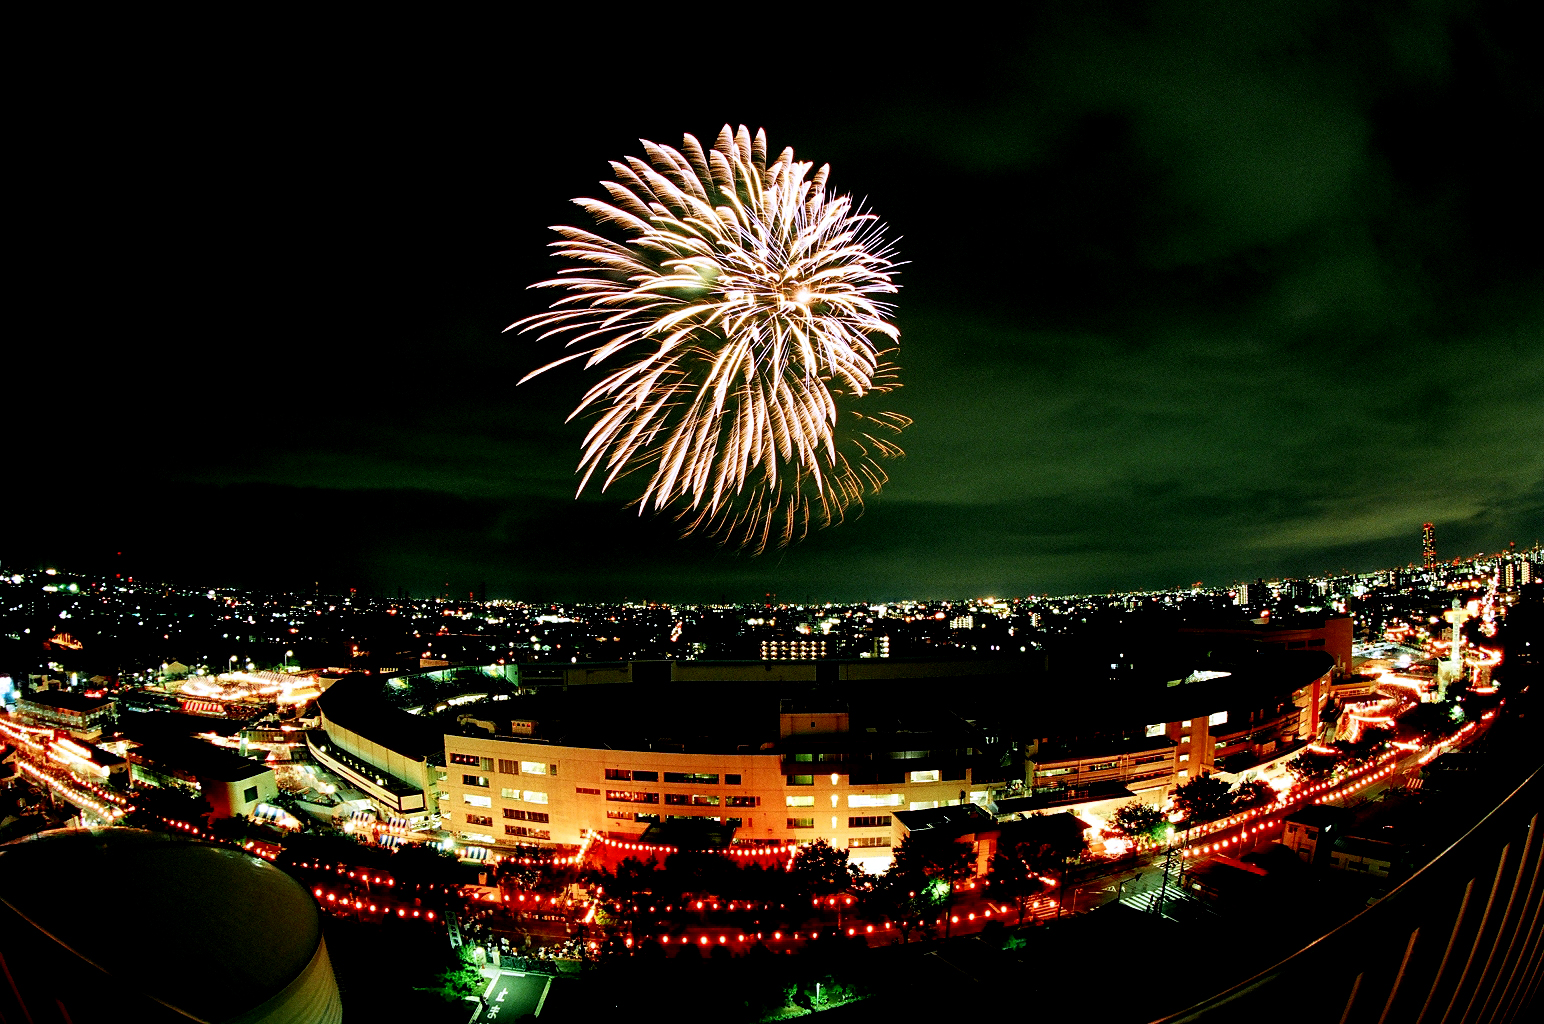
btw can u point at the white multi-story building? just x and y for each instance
(819, 780)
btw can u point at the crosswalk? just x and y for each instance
(1177, 903)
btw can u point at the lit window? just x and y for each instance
(534, 797)
(801, 801)
(472, 800)
(874, 800)
(533, 768)
(926, 776)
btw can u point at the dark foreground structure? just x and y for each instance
(1458, 942)
(125, 925)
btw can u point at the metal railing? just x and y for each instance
(1459, 942)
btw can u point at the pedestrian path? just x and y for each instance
(1177, 903)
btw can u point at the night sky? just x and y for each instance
(1192, 293)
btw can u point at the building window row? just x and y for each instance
(874, 800)
(627, 775)
(631, 797)
(479, 819)
(692, 778)
(537, 816)
(870, 821)
(692, 800)
(868, 842)
(527, 833)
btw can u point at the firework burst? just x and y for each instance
(738, 315)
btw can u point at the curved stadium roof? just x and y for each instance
(126, 924)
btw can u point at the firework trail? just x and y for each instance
(741, 306)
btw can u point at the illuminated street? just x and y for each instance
(511, 995)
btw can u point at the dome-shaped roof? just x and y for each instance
(207, 930)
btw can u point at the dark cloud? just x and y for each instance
(1194, 293)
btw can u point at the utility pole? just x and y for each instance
(1163, 889)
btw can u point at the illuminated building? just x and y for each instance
(815, 777)
(803, 649)
(1428, 545)
(795, 751)
(1239, 723)
(81, 716)
(386, 754)
(233, 785)
(93, 764)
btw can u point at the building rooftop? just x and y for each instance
(211, 932)
(1320, 816)
(947, 822)
(355, 702)
(64, 700)
(199, 759)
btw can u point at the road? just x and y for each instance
(512, 995)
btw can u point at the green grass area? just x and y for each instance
(398, 971)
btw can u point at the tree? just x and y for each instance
(421, 864)
(819, 869)
(1310, 767)
(926, 870)
(1254, 793)
(1202, 799)
(1035, 849)
(1363, 749)
(155, 806)
(1141, 823)
(1015, 874)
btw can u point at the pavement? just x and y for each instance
(513, 994)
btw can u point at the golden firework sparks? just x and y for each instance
(741, 306)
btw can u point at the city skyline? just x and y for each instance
(1183, 298)
(514, 516)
